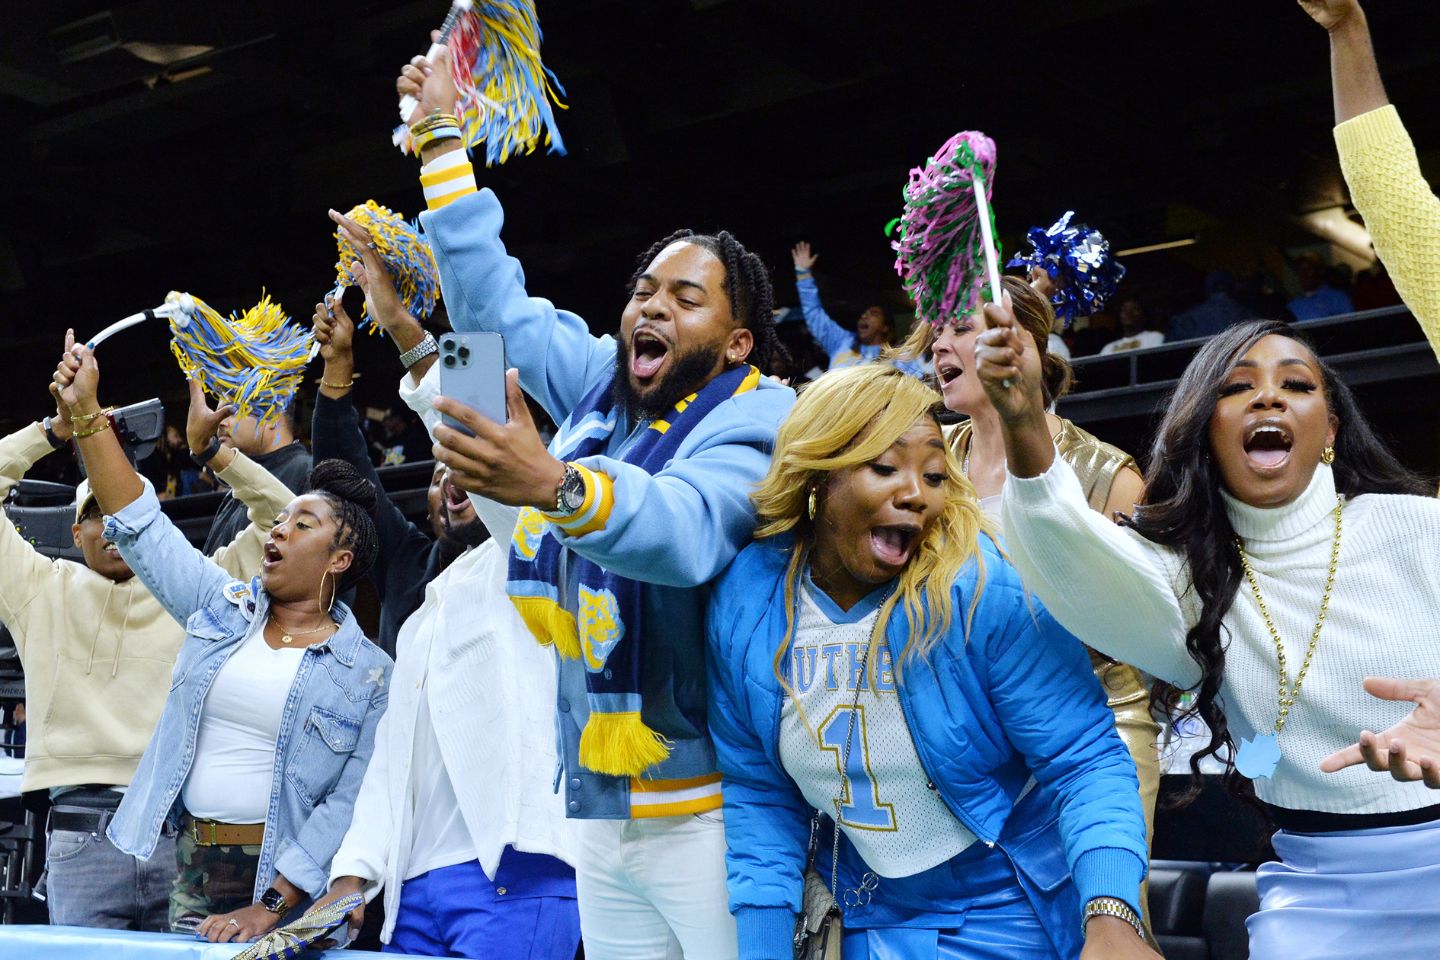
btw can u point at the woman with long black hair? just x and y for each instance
(1279, 540)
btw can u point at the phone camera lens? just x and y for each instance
(448, 343)
(464, 352)
(449, 360)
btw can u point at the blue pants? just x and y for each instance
(527, 913)
(998, 923)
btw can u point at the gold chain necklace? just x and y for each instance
(1259, 757)
(289, 638)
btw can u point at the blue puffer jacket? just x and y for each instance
(1016, 699)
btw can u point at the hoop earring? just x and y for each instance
(320, 597)
(1327, 456)
(810, 504)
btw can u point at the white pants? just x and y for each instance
(654, 889)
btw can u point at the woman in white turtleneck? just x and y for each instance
(1276, 538)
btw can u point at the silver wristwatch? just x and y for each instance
(570, 495)
(419, 352)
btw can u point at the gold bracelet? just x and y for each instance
(337, 386)
(87, 417)
(104, 425)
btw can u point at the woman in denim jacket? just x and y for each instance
(274, 699)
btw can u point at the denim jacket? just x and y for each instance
(327, 729)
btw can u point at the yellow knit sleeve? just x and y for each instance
(1401, 212)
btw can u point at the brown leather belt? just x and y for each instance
(212, 833)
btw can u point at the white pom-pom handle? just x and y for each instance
(459, 7)
(178, 307)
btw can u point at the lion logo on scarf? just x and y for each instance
(600, 626)
(529, 529)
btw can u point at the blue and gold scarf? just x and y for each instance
(608, 632)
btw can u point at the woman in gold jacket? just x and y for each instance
(1111, 480)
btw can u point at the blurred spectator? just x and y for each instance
(170, 468)
(1219, 310)
(1318, 298)
(402, 440)
(874, 330)
(15, 733)
(1135, 332)
(1374, 289)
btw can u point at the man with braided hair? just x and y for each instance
(639, 502)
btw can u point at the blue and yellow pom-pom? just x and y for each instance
(405, 253)
(255, 360)
(505, 90)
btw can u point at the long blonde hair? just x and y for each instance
(846, 419)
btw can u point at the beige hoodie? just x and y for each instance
(98, 654)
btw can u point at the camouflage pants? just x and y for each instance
(211, 879)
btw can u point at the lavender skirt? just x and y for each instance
(1351, 895)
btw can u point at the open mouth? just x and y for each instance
(1267, 446)
(647, 354)
(456, 502)
(893, 544)
(111, 551)
(948, 371)
(272, 556)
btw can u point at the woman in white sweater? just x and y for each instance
(1276, 543)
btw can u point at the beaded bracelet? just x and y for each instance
(337, 386)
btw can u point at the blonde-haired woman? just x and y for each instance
(1108, 475)
(874, 657)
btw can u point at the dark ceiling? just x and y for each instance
(777, 120)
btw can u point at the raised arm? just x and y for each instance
(832, 337)
(24, 571)
(484, 288)
(1381, 168)
(1098, 580)
(335, 434)
(1354, 74)
(262, 493)
(179, 576)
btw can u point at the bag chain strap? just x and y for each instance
(860, 895)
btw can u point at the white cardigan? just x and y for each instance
(491, 690)
(1131, 599)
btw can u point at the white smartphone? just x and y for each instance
(472, 371)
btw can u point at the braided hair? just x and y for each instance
(353, 500)
(747, 284)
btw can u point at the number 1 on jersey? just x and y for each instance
(861, 806)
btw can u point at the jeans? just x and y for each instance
(654, 889)
(91, 884)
